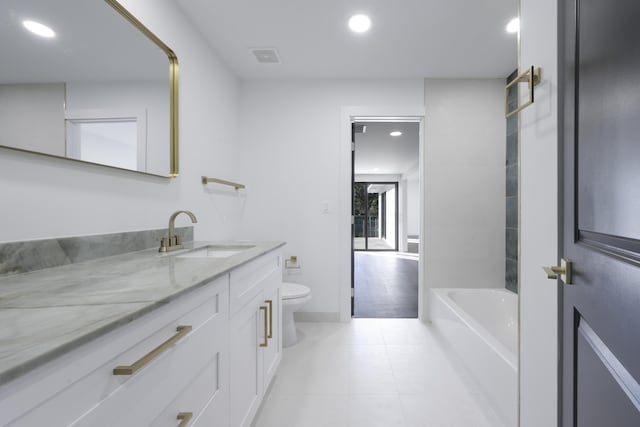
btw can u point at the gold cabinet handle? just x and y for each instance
(266, 336)
(184, 418)
(181, 331)
(565, 269)
(270, 302)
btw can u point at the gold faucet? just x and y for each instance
(174, 242)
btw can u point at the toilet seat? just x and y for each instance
(294, 290)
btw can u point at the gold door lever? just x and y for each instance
(565, 269)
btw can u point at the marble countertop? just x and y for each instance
(49, 312)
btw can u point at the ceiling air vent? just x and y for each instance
(266, 55)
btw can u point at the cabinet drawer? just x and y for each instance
(147, 393)
(207, 389)
(97, 397)
(247, 281)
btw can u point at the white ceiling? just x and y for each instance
(379, 153)
(93, 43)
(408, 38)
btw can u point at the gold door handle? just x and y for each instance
(565, 269)
(181, 331)
(266, 336)
(184, 418)
(270, 302)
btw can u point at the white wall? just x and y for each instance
(44, 197)
(464, 178)
(391, 218)
(539, 219)
(413, 208)
(293, 163)
(22, 105)
(408, 207)
(412, 183)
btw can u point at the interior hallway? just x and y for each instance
(372, 373)
(385, 285)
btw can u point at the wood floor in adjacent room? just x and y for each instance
(385, 285)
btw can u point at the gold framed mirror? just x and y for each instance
(98, 90)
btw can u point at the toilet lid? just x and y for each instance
(294, 290)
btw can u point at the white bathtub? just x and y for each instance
(481, 326)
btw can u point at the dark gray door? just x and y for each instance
(600, 122)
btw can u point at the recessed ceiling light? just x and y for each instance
(359, 23)
(39, 29)
(513, 26)
(396, 133)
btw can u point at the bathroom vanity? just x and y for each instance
(191, 338)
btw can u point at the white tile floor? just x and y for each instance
(369, 373)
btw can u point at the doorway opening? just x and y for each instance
(375, 216)
(385, 219)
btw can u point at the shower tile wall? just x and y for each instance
(511, 226)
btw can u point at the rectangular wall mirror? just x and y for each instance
(102, 89)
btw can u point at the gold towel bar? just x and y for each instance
(532, 76)
(206, 180)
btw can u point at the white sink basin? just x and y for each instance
(215, 251)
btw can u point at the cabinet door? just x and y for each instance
(247, 332)
(273, 351)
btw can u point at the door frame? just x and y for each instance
(348, 115)
(539, 215)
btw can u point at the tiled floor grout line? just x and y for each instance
(317, 404)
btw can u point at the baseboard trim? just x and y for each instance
(306, 316)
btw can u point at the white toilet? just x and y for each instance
(294, 295)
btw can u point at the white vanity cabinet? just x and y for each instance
(255, 346)
(203, 359)
(186, 375)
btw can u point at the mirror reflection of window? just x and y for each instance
(110, 143)
(116, 142)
